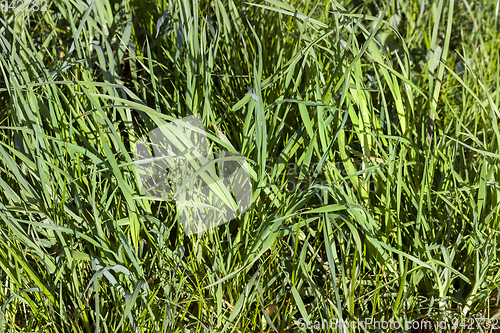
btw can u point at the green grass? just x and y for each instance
(371, 130)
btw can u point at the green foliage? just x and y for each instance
(372, 133)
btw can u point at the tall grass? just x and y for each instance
(371, 129)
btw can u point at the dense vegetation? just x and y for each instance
(370, 128)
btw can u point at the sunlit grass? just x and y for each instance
(371, 131)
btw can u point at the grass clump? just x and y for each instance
(371, 135)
